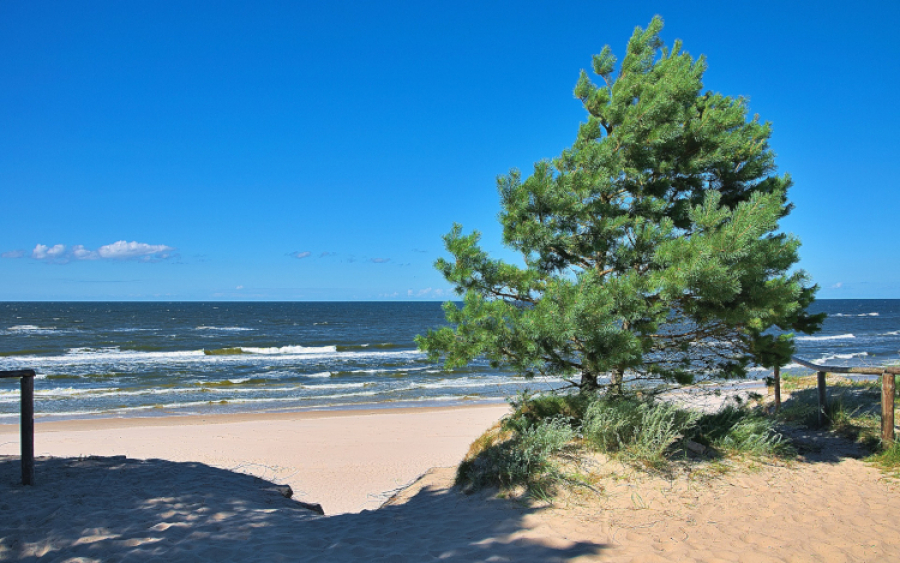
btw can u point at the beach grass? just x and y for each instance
(852, 410)
(546, 433)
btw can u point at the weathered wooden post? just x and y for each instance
(887, 408)
(888, 389)
(776, 375)
(823, 398)
(26, 426)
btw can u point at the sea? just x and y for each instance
(160, 359)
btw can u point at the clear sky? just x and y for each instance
(163, 150)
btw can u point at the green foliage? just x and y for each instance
(650, 433)
(639, 430)
(521, 457)
(650, 246)
(530, 410)
(853, 408)
(735, 430)
(888, 459)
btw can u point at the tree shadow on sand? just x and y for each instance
(117, 509)
(826, 445)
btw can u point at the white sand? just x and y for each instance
(346, 461)
(826, 507)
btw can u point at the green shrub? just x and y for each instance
(531, 409)
(739, 431)
(637, 429)
(507, 458)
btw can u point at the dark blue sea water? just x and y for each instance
(145, 359)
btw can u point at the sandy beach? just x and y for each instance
(204, 489)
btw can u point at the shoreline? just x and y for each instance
(44, 419)
(47, 424)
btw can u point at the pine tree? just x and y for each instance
(650, 248)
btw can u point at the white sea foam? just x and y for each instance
(225, 328)
(318, 374)
(855, 315)
(842, 356)
(335, 386)
(892, 333)
(31, 329)
(834, 337)
(290, 350)
(273, 356)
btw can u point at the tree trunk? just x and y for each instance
(616, 382)
(588, 382)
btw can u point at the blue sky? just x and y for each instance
(319, 151)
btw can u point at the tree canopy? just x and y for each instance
(651, 248)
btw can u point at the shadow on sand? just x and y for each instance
(117, 509)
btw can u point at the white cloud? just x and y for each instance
(380, 260)
(838, 285)
(298, 254)
(13, 254)
(120, 250)
(240, 287)
(79, 252)
(44, 252)
(428, 292)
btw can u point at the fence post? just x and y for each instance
(887, 408)
(823, 399)
(26, 428)
(26, 425)
(776, 376)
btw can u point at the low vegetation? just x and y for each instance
(534, 446)
(526, 448)
(853, 411)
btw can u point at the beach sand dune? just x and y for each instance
(825, 507)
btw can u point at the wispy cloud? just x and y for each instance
(429, 292)
(13, 254)
(419, 250)
(326, 254)
(379, 260)
(838, 285)
(298, 254)
(117, 251)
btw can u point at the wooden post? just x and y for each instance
(776, 375)
(26, 428)
(823, 399)
(887, 408)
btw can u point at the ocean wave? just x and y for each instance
(892, 333)
(842, 356)
(473, 383)
(289, 350)
(224, 328)
(816, 338)
(855, 315)
(31, 329)
(335, 386)
(274, 355)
